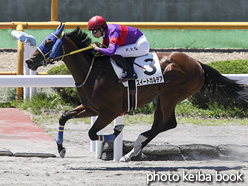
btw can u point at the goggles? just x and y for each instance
(94, 31)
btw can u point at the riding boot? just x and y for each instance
(127, 65)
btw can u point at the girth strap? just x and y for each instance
(132, 95)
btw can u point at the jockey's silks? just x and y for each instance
(118, 35)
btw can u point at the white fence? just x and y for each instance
(241, 78)
(67, 80)
(36, 81)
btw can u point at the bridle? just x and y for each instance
(51, 55)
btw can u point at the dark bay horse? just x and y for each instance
(101, 95)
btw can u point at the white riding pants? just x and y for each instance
(139, 48)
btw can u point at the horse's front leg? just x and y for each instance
(102, 121)
(78, 112)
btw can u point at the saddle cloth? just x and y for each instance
(147, 69)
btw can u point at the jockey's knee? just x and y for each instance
(92, 135)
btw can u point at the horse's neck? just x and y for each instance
(76, 63)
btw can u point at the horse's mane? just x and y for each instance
(82, 40)
(79, 37)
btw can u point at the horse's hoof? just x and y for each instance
(124, 159)
(62, 153)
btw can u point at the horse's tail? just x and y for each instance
(216, 83)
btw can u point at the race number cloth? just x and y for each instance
(148, 70)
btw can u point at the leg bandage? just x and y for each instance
(108, 138)
(60, 134)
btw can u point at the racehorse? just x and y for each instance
(101, 95)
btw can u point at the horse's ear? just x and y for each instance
(59, 29)
(59, 26)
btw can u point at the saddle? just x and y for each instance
(148, 71)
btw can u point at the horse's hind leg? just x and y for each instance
(144, 138)
(78, 112)
(158, 117)
(159, 125)
(170, 124)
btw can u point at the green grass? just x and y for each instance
(158, 38)
(59, 70)
(212, 121)
(47, 108)
(40, 102)
(187, 109)
(231, 66)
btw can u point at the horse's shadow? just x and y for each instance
(157, 169)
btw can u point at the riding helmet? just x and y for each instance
(97, 22)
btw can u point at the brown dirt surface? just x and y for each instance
(8, 57)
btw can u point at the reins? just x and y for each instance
(92, 62)
(51, 60)
(73, 52)
(88, 74)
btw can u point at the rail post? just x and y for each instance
(28, 51)
(29, 48)
(118, 143)
(97, 146)
(54, 10)
(93, 143)
(20, 50)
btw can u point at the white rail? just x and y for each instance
(241, 78)
(67, 80)
(36, 81)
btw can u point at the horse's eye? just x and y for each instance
(48, 43)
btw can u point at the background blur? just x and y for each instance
(127, 10)
(137, 11)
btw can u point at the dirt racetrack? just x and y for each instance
(80, 167)
(8, 57)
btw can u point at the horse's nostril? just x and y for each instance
(30, 64)
(28, 61)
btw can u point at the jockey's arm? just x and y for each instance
(110, 51)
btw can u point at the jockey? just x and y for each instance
(123, 43)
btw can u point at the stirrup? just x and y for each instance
(127, 78)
